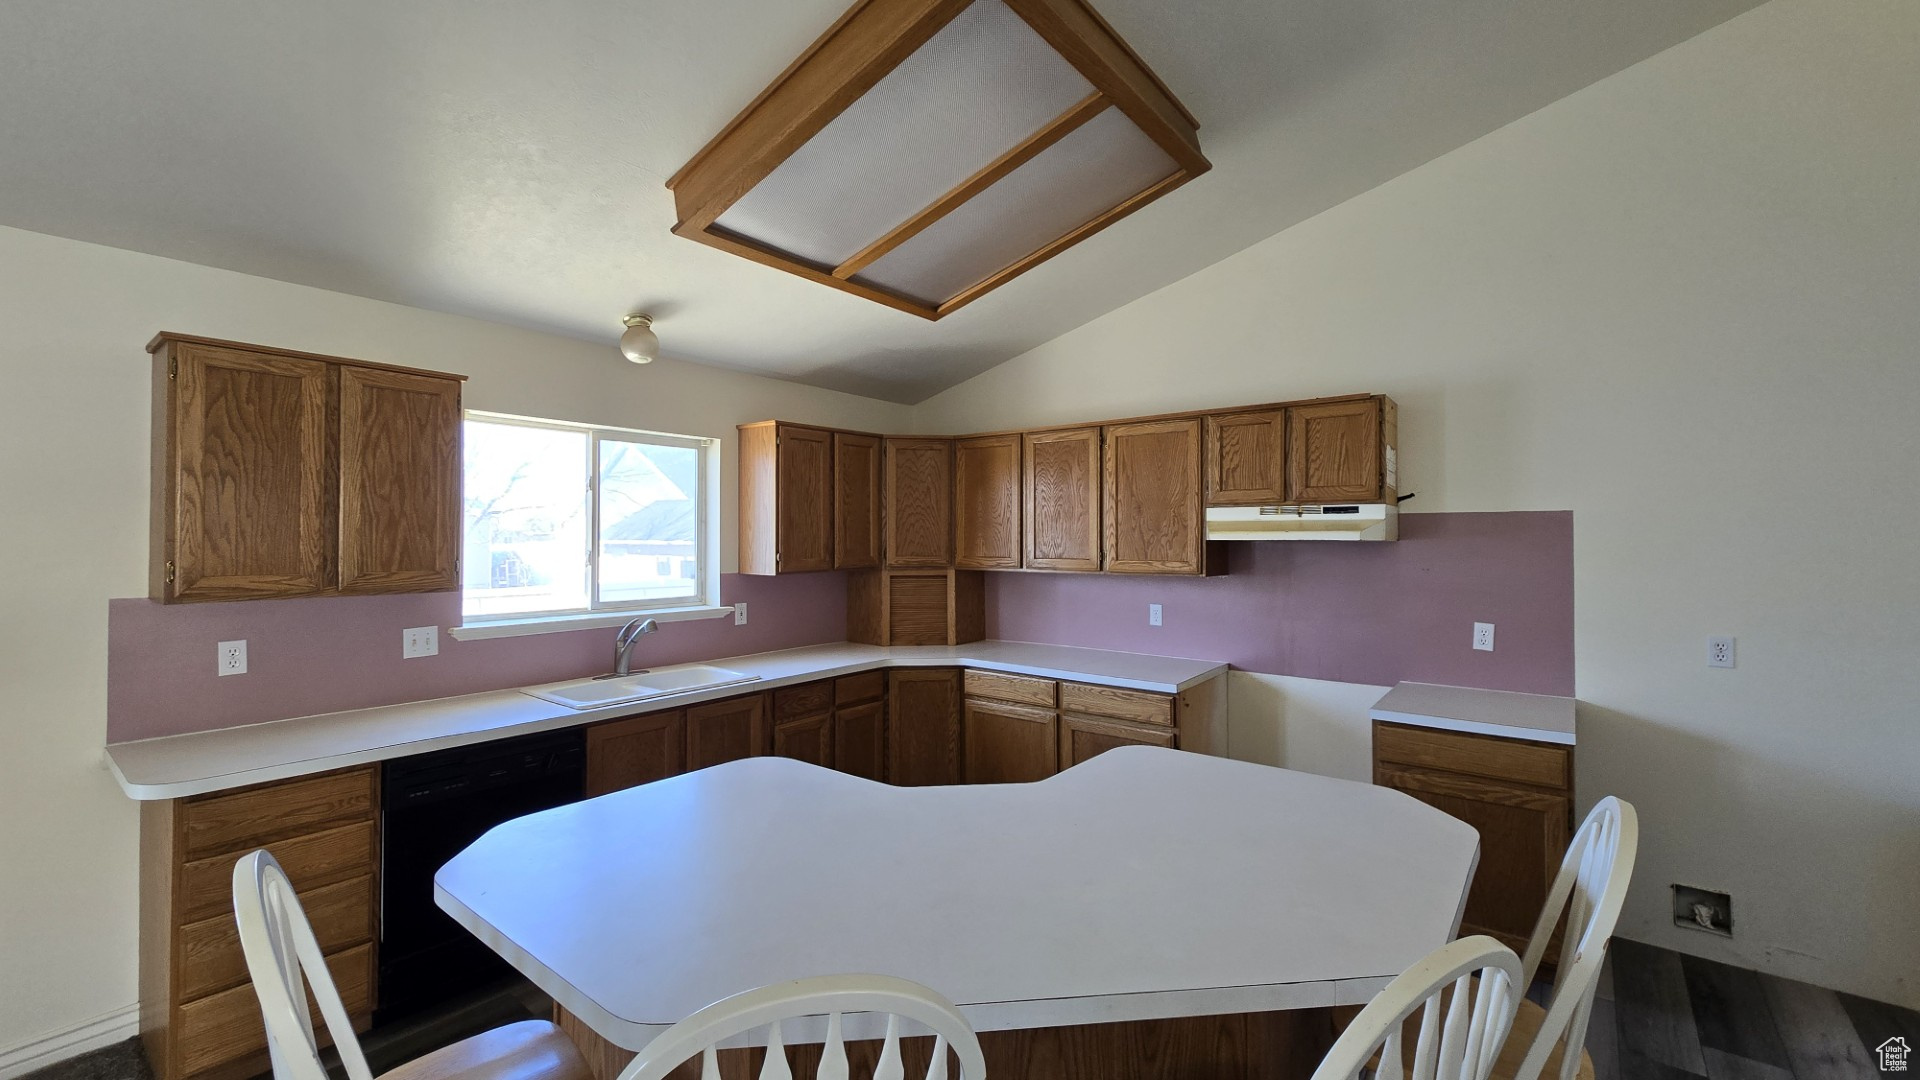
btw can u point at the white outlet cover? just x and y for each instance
(1483, 636)
(1153, 614)
(1720, 652)
(230, 658)
(418, 641)
(740, 614)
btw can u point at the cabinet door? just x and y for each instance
(923, 726)
(1523, 835)
(1333, 452)
(246, 504)
(806, 738)
(1082, 737)
(986, 503)
(1155, 515)
(1009, 744)
(918, 506)
(637, 750)
(729, 730)
(860, 739)
(856, 501)
(400, 482)
(1061, 520)
(803, 493)
(1246, 458)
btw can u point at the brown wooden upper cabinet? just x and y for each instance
(786, 498)
(1061, 519)
(1155, 513)
(280, 473)
(856, 501)
(918, 502)
(1342, 451)
(1246, 458)
(986, 503)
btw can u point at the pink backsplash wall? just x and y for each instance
(1364, 613)
(325, 654)
(1347, 612)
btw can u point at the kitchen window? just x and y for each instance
(565, 522)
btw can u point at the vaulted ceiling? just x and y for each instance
(508, 160)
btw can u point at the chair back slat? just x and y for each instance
(775, 1066)
(1466, 993)
(830, 996)
(1584, 902)
(286, 964)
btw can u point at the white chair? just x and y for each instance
(285, 962)
(831, 996)
(1590, 887)
(1465, 992)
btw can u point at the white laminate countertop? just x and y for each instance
(1505, 713)
(1142, 884)
(174, 766)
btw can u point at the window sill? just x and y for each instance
(593, 620)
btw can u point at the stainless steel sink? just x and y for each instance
(640, 686)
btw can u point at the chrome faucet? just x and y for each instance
(623, 644)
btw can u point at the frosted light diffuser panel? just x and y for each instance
(925, 152)
(1070, 183)
(885, 159)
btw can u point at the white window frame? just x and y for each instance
(704, 604)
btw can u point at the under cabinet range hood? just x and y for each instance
(1339, 521)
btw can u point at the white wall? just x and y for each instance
(73, 485)
(1685, 304)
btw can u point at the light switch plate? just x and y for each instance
(418, 641)
(1153, 614)
(1483, 636)
(740, 614)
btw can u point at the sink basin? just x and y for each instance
(640, 686)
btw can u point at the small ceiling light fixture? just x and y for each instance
(640, 344)
(925, 152)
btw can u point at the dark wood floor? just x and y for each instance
(1665, 1016)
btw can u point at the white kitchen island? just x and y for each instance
(1202, 914)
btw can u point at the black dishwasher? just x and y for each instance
(431, 807)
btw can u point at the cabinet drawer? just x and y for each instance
(206, 885)
(249, 818)
(210, 956)
(1019, 689)
(226, 1026)
(1476, 755)
(797, 701)
(1135, 705)
(856, 689)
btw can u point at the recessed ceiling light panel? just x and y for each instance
(924, 152)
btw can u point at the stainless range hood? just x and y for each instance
(1338, 521)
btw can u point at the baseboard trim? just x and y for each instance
(104, 1030)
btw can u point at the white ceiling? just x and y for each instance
(507, 160)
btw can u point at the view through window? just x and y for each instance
(564, 518)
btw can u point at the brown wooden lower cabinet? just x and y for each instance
(860, 724)
(199, 1018)
(1009, 744)
(637, 750)
(723, 731)
(1083, 737)
(806, 738)
(1517, 793)
(923, 726)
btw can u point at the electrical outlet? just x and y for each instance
(740, 614)
(230, 658)
(1483, 636)
(417, 641)
(1719, 652)
(1153, 614)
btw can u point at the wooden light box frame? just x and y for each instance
(869, 41)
